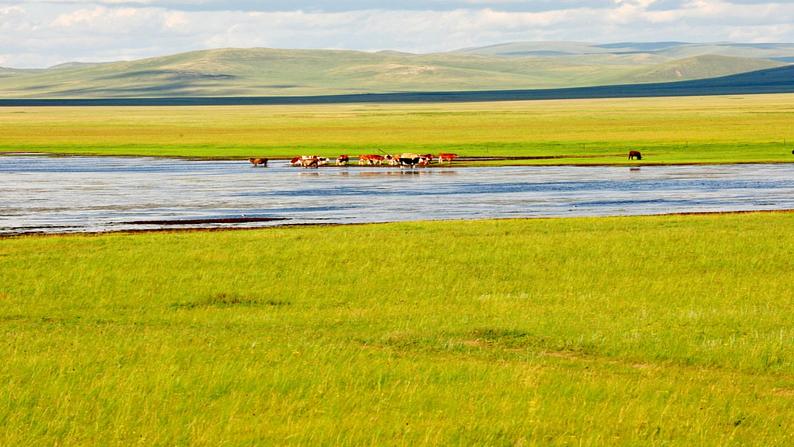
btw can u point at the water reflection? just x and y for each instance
(63, 194)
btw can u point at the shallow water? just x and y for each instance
(88, 194)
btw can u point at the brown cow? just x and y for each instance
(310, 162)
(635, 154)
(258, 161)
(371, 159)
(446, 157)
(342, 160)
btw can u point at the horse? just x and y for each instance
(635, 154)
(258, 161)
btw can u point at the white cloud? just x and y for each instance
(37, 33)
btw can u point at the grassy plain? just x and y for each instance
(674, 330)
(726, 129)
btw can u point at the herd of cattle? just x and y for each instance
(403, 160)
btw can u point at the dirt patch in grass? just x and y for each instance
(230, 300)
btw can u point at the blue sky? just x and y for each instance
(39, 33)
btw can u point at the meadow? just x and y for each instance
(722, 129)
(669, 330)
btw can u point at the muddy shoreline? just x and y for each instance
(296, 225)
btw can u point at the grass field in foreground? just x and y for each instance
(675, 330)
(667, 130)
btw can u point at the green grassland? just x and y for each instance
(673, 330)
(720, 129)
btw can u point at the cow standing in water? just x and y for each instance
(409, 160)
(635, 154)
(446, 157)
(425, 160)
(342, 160)
(258, 161)
(371, 159)
(310, 162)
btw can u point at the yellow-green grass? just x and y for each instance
(673, 330)
(725, 129)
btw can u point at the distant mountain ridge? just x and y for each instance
(279, 72)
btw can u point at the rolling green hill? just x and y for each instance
(275, 72)
(669, 50)
(698, 67)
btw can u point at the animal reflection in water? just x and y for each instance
(635, 154)
(258, 162)
(390, 173)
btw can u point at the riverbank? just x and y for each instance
(723, 129)
(670, 329)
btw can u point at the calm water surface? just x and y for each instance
(82, 194)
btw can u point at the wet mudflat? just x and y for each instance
(90, 194)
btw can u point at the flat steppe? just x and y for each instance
(720, 129)
(672, 330)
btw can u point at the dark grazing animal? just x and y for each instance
(635, 154)
(342, 160)
(258, 161)
(409, 162)
(409, 159)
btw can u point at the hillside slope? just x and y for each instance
(669, 50)
(699, 67)
(274, 72)
(775, 80)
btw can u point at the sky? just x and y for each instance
(41, 33)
